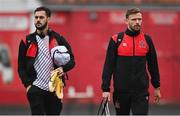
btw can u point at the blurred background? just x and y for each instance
(88, 26)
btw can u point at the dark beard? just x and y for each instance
(133, 29)
(41, 27)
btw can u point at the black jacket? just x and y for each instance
(128, 63)
(28, 50)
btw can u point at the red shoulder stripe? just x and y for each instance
(24, 40)
(114, 37)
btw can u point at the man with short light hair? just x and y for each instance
(127, 56)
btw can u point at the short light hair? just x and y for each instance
(132, 11)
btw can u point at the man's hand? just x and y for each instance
(60, 70)
(157, 95)
(106, 95)
(28, 87)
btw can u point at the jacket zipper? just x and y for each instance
(133, 47)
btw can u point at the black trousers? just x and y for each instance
(43, 102)
(137, 102)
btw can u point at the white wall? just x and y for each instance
(18, 5)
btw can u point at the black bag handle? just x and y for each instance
(102, 105)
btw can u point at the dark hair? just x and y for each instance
(42, 8)
(132, 11)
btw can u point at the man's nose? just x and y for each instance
(38, 19)
(137, 21)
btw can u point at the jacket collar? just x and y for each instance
(42, 35)
(132, 33)
(50, 34)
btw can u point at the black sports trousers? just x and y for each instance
(43, 102)
(136, 102)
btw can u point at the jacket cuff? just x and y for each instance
(27, 84)
(157, 86)
(106, 90)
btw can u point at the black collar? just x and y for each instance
(42, 35)
(132, 33)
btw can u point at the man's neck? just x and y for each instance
(132, 33)
(44, 32)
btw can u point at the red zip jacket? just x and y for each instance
(129, 63)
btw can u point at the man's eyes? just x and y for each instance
(40, 17)
(137, 19)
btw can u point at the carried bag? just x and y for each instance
(104, 108)
(60, 55)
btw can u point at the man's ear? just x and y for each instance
(49, 18)
(126, 21)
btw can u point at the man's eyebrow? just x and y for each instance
(39, 16)
(136, 18)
